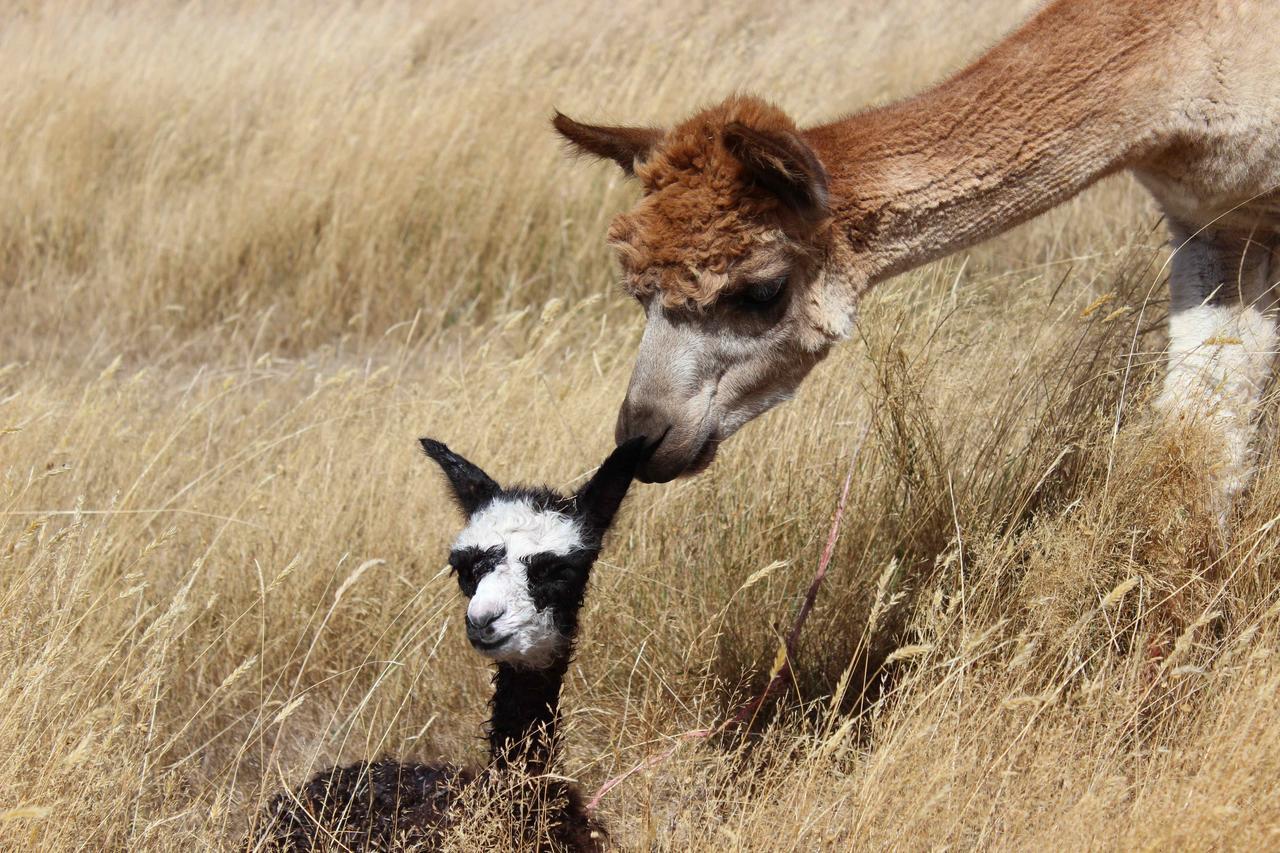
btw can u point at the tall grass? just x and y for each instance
(249, 252)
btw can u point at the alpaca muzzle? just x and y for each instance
(678, 451)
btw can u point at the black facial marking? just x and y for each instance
(473, 563)
(559, 581)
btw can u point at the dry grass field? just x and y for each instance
(249, 252)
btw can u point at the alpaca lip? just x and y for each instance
(701, 460)
(696, 463)
(491, 645)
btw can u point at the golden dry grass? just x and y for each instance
(249, 252)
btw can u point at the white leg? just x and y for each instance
(1219, 364)
(1222, 335)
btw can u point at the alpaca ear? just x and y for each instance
(471, 486)
(783, 164)
(599, 499)
(626, 146)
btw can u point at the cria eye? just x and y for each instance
(762, 293)
(473, 563)
(539, 567)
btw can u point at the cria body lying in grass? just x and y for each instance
(522, 561)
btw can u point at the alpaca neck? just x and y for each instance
(1057, 105)
(526, 711)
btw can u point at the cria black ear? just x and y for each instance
(471, 486)
(599, 499)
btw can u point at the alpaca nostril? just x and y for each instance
(635, 420)
(481, 628)
(484, 621)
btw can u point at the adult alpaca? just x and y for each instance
(755, 239)
(522, 561)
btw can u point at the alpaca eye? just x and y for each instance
(471, 564)
(761, 293)
(466, 576)
(539, 567)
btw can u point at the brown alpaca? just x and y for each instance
(755, 239)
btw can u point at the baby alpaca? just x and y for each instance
(522, 561)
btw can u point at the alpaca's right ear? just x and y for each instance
(626, 146)
(471, 486)
(599, 499)
(781, 163)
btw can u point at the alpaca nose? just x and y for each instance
(639, 419)
(481, 627)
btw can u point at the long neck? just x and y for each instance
(526, 712)
(1060, 103)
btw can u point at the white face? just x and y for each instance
(504, 622)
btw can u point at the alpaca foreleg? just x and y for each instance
(1222, 337)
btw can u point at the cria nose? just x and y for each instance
(481, 627)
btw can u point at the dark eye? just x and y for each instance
(472, 564)
(540, 567)
(464, 567)
(761, 293)
(570, 568)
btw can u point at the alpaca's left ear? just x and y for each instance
(626, 146)
(471, 486)
(599, 499)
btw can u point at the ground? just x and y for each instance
(250, 252)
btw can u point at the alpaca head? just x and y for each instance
(525, 555)
(727, 252)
